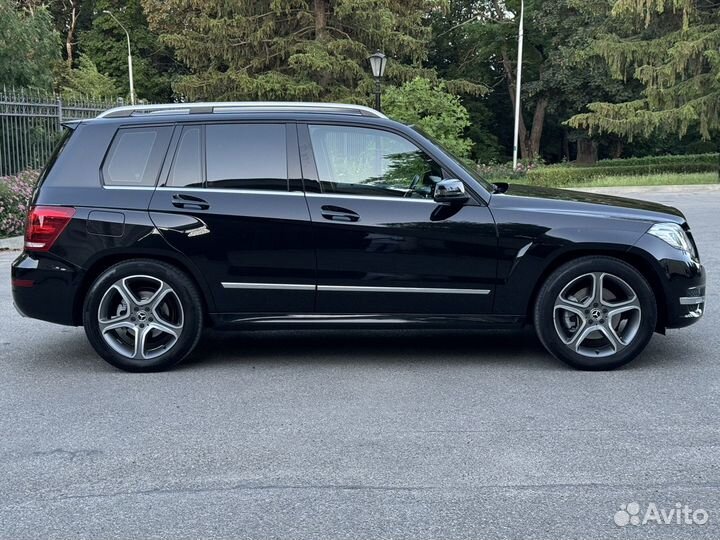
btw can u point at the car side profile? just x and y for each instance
(151, 223)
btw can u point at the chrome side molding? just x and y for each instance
(349, 288)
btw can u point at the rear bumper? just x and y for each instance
(45, 287)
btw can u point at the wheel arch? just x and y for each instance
(635, 260)
(104, 262)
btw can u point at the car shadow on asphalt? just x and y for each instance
(379, 347)
(508, 348)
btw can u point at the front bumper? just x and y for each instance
(681, 277)
(45, 287)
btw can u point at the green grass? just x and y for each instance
(614, 181)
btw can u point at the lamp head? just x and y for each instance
(377, 63)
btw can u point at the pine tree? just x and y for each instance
(671, 47)
(292, 49)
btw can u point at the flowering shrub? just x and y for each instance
(504, 171)
(15, 192)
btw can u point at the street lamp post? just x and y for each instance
(130, 67)
(518, 82)
(377, 64)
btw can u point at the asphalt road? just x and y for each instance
(369, 435)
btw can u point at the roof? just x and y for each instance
(239, 107)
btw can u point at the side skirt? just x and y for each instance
(276, 321)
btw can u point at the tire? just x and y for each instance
(592, 332)
(143, 315)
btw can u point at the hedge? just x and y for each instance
(711, 159)
(566, 175)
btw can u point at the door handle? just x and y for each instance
(338, 213)
(180, 200)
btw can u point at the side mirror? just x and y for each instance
(450, 191)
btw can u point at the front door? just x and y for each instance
(226, 204)
(383, 245)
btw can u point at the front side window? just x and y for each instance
(135, 156)
(246, 156)
(372, 162)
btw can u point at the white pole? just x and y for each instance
(518, 82)
(130, 73)
(130, 67)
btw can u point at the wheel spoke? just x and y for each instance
(140, 338)
(630, 305)
(569, 305)
(165, 328)
(597, 294)
(115, 324)
(157, 297)
(126, 292)
(565, 294)
(615, 342)
(581, 337)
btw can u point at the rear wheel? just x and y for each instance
(595, 313)
(143, 315)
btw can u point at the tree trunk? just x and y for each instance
(587, 152)
(537, 127)
(616, 149)
(565, 146)
(72, 27)
(320, 10)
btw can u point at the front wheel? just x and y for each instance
(595, 313)
(143, 315)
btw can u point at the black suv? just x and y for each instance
(150, 223)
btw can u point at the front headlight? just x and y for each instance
(673, 234)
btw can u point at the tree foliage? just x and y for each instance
(649, 69)
(671, 48)
(104, 42)
(29, 47)
(87, 81)
(433, 109)
(292, 49)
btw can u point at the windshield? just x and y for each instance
(459, 162)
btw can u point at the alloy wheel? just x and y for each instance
(597, 314)
(140, 317)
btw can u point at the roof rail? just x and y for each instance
(238, 106)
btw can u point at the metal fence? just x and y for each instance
(31, 123)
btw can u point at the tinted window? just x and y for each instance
(363, 161)
(187, 166)
(135, 156)
(246, 156)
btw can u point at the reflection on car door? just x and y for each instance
(225, 203)
(383, 245)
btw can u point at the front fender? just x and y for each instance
(527, 257)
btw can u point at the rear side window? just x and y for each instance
(135, 156)
(246, 156)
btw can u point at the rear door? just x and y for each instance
(225, 202)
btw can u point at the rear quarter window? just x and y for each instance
(135, 156)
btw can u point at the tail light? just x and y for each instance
(44, 225)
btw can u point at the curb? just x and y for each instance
(14, 243)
